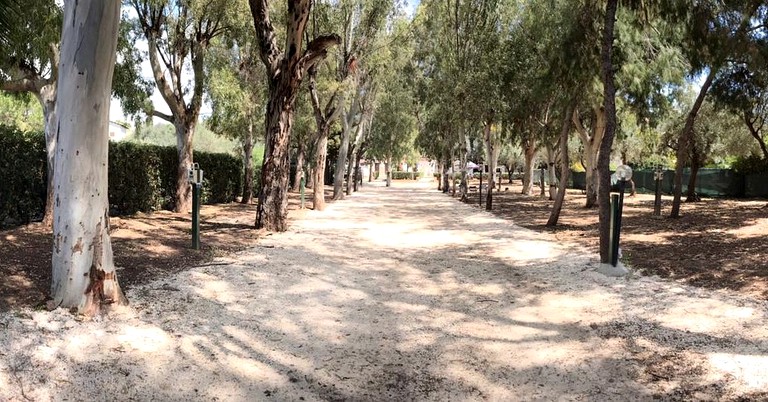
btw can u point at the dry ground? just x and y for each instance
(397, 294)
(716, 244)
(146, 247)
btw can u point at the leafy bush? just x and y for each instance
(24, 174)
(406, 175)
(142, 178)
(134, 178)
(752, 164)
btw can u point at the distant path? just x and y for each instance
(399, 294)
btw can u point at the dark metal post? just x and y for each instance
(617, 207)
(196, 215)
(480, 189)
(658, 175)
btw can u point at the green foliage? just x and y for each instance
(165, 135)
(406, 175)
(23, 169)
(142, 178)
(135, 182)
(21, 111)
(752, 164)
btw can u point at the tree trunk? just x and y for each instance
(591, 145)
(441, 169)
(565, 169)
(321, 152)
(341, 161)
(185, 130)
(756, 134)
(609, 99)
(682, 143)
(350, 166)
(530, 154)
(492, 155)
(84, 274)
(47, 98)
(691, 195)
(286, 70)
(551, 174)
(248, 164)
(358, 170)
(299, 167)
(387, 166)
(272, 211)
(370, 171)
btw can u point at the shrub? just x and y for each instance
(752, 164)
(24, 174)
(142, 178)
(406, 175)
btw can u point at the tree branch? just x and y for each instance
(316, 51)
(265, 32)
(22, 85)
(163, 116)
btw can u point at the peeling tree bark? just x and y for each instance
(286, 72)
(529, 151)
(591, 145)
(565, 169)
(84, 275)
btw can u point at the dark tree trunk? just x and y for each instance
(565, 169)
(248, 165)
(691, 195)
(286, 69)
(683, 143)
(272, 211)
(350, 166)
(603, 160)
(756, 133)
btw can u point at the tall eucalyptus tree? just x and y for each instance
(286, 69)
(179, 34)
(84, 276)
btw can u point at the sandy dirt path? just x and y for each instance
(397, 294)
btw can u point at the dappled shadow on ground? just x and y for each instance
(146, 247)
(371, 301)
(716, 244)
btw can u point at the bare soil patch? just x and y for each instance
(397, 294)
(715, 244)
(146, 247)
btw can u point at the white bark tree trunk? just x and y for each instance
(83, 269)
(591, 145)
(552, 175)
(47, 99)
(529, 150)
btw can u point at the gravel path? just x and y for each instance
(397, 294)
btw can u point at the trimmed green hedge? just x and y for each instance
(142, 178)
(23, 174)
(406, 175)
